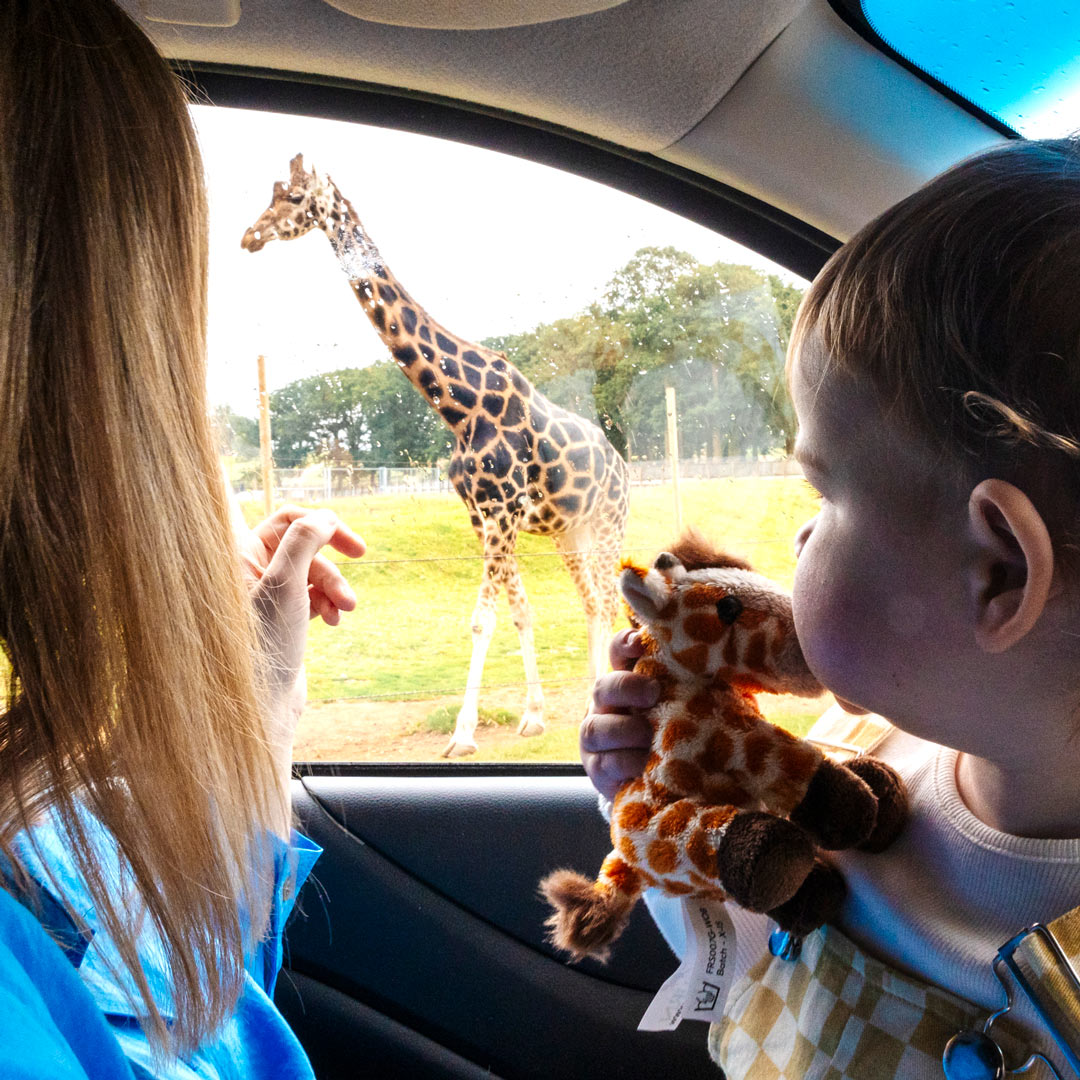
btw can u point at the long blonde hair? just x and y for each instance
(134, 677)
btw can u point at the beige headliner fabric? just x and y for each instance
(469, 14)
(641, 74)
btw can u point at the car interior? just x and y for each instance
(419, 947)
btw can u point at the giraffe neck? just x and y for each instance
(451, 372)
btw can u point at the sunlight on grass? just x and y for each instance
(444, 717)
(410, 638)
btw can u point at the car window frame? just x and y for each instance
(775, 234)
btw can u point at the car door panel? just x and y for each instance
(420, 939)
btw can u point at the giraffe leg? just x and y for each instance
(462, 742)
(816, 901)
(605, 580)
(532, 720)
(576, 548)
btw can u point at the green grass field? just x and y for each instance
(409, 638)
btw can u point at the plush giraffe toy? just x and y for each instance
(729, 806)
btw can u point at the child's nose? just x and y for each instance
(803, 535)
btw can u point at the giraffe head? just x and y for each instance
(307, 200)
(718, 623)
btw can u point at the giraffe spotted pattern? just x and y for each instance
(520, 462)
(729, 806)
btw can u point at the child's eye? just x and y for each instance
(812, 491)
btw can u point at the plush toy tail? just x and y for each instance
(588, 916)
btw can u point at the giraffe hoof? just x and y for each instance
(459, 748)
(530, 726)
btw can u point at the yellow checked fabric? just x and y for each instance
(843, 735)
(1052, 988)
(838, 1014)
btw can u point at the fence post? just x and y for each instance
(264, 439)
(673, 453)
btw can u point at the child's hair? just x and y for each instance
(960, 309)
(123, 615)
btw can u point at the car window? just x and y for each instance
(657, 346)
(1020, 68)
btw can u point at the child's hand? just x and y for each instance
(291, 582)
(614, 738)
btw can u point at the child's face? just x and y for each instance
(880, 599)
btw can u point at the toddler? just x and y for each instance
(935, 372)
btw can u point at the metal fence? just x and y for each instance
(319, 483)
(659, 472)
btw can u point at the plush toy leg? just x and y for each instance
(892, 801)
(839, 808)
(816, 902)
(762, 859)
(589, 915)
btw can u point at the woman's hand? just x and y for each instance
(614, 739)
(290, 583)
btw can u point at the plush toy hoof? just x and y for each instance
(839, 809)
(816, 902)
(892, 801)
(762, 859)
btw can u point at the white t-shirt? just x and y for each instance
(942, 899)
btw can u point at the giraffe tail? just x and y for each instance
(588, 915)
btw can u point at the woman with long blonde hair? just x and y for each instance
(145, 733)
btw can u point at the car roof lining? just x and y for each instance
(616, 78)
(777, 99)
(785, 239)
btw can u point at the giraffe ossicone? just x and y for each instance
(520, 463)
(729, 806)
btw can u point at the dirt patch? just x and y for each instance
(394, 730)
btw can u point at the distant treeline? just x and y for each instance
(717, 333)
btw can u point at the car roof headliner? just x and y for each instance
(776, 98)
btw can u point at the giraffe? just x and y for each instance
(520, 463)
(729, 806)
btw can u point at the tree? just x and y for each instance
(372, 413)
(237, 436)
(717, 333)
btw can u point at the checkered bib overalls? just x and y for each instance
(837, 1013)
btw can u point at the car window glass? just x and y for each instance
(643, 325)
(1016, 62)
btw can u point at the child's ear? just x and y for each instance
(1013, 572)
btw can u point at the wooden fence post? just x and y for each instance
(264, 439)
(673, 454)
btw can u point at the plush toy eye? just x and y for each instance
(729, 609)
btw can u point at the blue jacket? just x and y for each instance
(63, 1015)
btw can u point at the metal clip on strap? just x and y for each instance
(1042, 970)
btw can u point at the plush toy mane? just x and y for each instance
(697, 553)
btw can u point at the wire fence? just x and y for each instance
(326, 483)
(322, 483)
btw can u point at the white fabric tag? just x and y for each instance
(699, 988)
